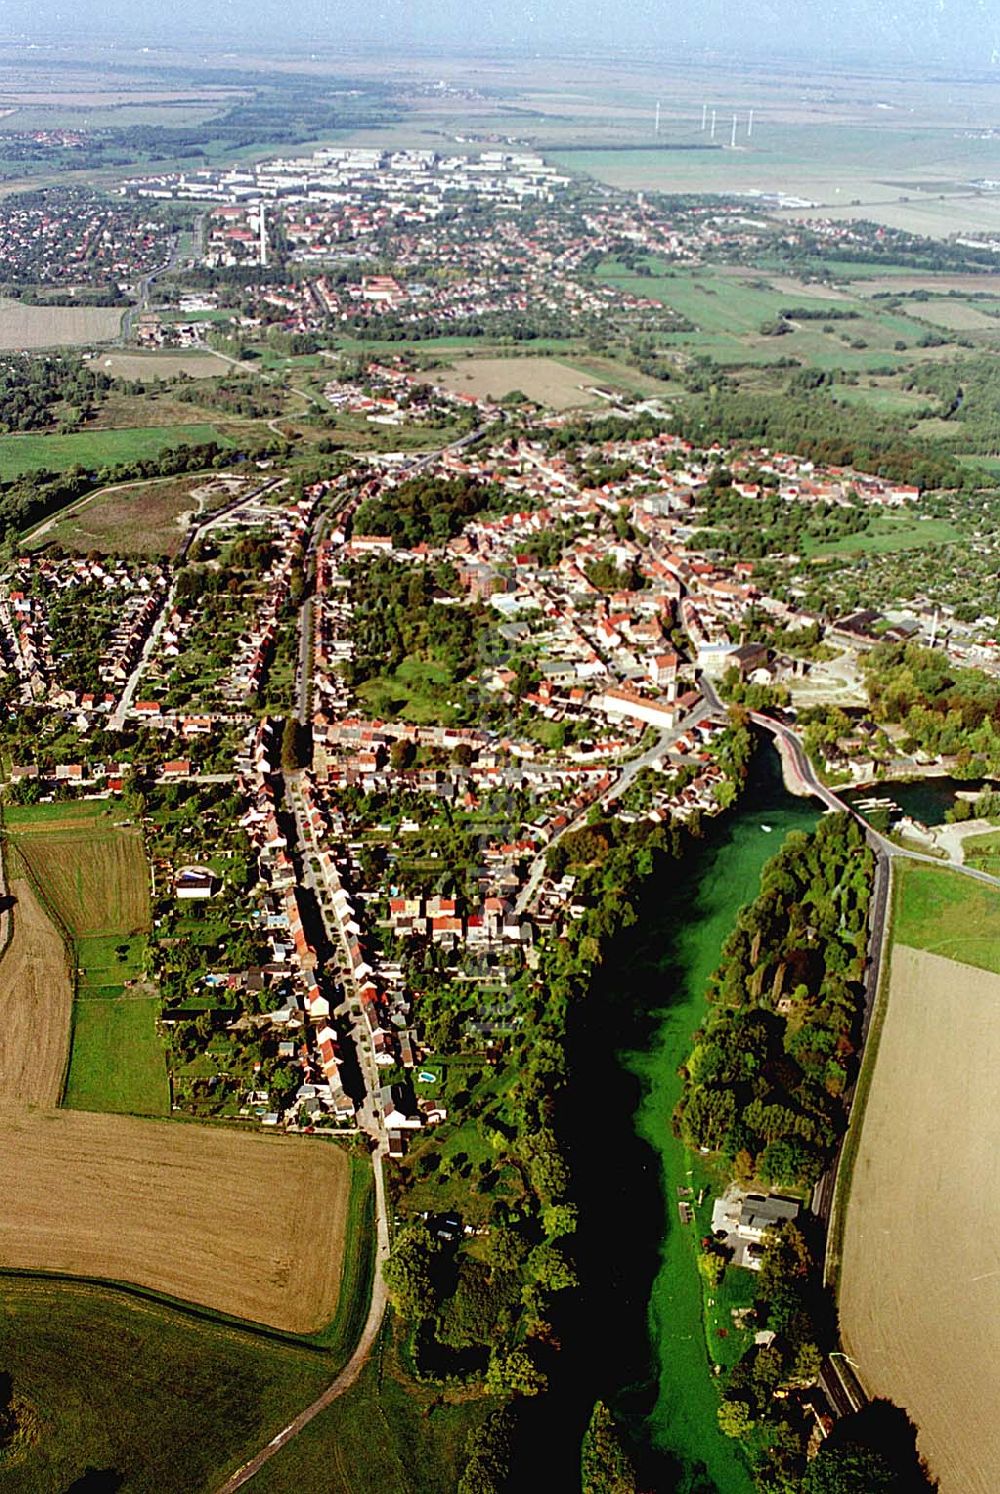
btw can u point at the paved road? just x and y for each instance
(801, 777)
(370, 1121)
(145, 285)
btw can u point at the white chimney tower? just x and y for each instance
(263, 236)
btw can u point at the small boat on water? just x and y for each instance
(766, 829)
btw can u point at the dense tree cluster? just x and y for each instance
(35, 393)
(943, 709)
(750, 527)
(424, 510)
(763, 1083)
(404, 613)
(816, 427)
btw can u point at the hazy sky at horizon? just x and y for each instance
(964, 32)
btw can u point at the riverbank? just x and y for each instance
(631, 1039)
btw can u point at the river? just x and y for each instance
(649, 999)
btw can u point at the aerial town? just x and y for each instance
(499, 775)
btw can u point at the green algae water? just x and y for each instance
(694, 921)
(647, 1325)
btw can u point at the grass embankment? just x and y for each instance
(160, 1401)
(90, 875)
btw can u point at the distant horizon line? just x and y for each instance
(306, 49)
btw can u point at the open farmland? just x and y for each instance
(920, 1280)
(91, 872)
(92, 877)
(187, 1205)
(150, 367)
(56, 326)
(36, 1000)
(545, 380)
(734, 313)
(94, 449)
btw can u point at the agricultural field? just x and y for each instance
(118, 1061)
(36, 1000)
(161, 1402)
(186, 1201)
(919, 1292)
(849, 167)
(730, 309)
(948, 915)
(545, 380)
(151, 367)
(31, 327)
(92, 871)
(91, 875)
(93, 449)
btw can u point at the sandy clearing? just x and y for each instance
(246, 1224)
(36, 1003)
(920, 1281)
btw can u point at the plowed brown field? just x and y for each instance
(248, 1225)
(920, 1280)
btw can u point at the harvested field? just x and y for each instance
(544, 380)
(920, 1280)
(958, 316)
(149, 367)
(189, 1209)
(91, 872)
(36, 1001)
(56, 326)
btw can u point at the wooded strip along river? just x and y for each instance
(645, 1325)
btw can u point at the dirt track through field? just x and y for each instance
(246, 1224)
(36, 1003)
(920, 1281)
